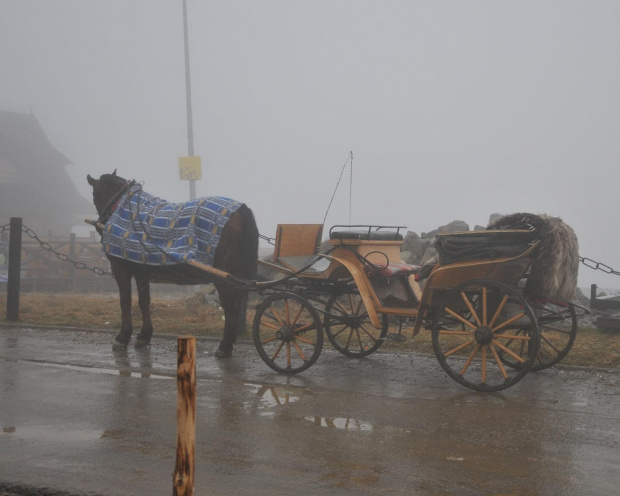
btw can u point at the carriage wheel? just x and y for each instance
(349, 329)
(558, 330)
(476, 322)
(288, 333)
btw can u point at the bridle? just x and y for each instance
(106, 212)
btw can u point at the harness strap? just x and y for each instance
(107, 211)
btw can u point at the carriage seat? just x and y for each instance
(297, 247)
(391, 270)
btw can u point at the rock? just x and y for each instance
(408, 257)
(428, 254)
(414, 244)
(454, 226)
(494, 218)
(202, 298)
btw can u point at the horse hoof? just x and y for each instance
(220, 353)
(140, 343)
(117, 345)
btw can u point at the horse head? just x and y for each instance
(106, 191)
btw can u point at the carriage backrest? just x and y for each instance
(294, 240)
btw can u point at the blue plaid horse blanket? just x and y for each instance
(146, 229)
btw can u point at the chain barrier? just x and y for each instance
(592, 264)
(271, 241)
(588, 262)
(61, 256)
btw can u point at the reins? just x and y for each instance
(236, 282)
(109, 208)
(232, 280)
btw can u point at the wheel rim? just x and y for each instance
(288, 333)
(349, 329)
(476, 324)
(558, 330)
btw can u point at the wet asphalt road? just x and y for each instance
(77, 418)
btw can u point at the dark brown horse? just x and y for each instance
(236, 254)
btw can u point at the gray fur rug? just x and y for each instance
(553, 273)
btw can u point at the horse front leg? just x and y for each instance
(233, 305)
(123, 280)
(144, 301)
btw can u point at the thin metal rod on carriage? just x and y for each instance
(183, 476)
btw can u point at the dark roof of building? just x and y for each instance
(33, 177)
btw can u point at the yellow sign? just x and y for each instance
(190, 168)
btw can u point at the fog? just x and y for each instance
(452, 109)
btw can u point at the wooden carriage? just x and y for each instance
(486, 331)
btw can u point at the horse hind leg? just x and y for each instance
(237, 254)
(144, 301)
(231, 304)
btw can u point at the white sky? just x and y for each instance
(453, 109)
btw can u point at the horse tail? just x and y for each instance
(248, 263)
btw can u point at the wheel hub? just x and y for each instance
(483, 335)
(354, 321)
(285, 333)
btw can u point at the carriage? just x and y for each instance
(486, 331)
(495, 301)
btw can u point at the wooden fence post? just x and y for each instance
(72, 257)
(14, 272)
(183, 476)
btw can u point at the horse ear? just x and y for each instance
(114, 173)
(91, 180)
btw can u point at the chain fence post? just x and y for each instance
(15, 261)
(72, 251)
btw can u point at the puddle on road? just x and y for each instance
(344, 423)
(50, 434)
(95, 370)
(271, 397)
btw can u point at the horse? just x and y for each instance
(235, 254)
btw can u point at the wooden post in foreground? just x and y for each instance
(183, 476)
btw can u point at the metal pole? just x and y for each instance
(188, 97)
(15, 262)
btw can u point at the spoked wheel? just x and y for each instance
(288, 333)
(478, 321)
(558, 329)
(349, 329)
